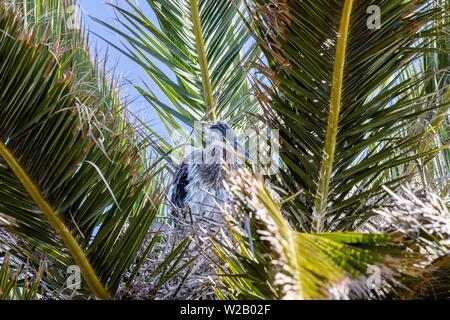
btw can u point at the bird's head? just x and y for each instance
(220, 132)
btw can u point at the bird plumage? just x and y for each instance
(197, 192)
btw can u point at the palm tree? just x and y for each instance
(74, 186)
(361, 110)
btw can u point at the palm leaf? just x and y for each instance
(340, 104)
(14, 286)
(269, 260)
(197, 54)
(432, 283)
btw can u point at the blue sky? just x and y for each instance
(124, 67)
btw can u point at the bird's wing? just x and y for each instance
(179, 191)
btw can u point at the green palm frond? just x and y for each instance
(269, 260)
(423, 219)
(16, 284)
(197, 54)
(342, 108)
(74, 186)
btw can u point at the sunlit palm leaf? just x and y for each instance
(339, 102)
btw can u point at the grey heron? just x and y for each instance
(197, 192)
